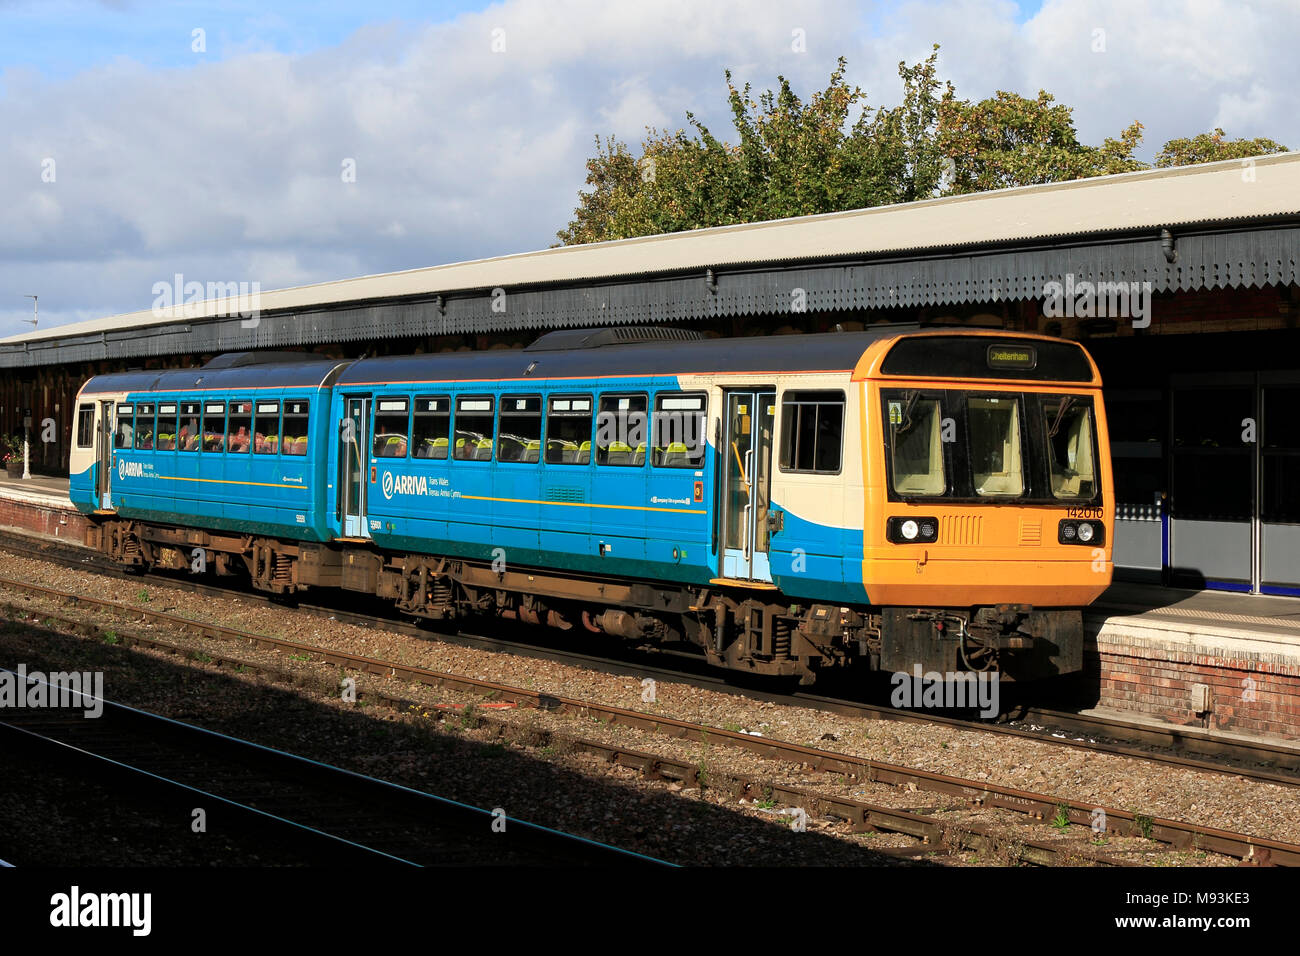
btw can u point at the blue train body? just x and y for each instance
(781, 505)
(647, 521)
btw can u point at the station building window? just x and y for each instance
(568, 430)
(1280, 462)
(431, 426)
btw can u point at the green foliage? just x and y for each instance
(836, 152)
(1008, 140)
(1212, 147)
(1143, 824)
(794, 158)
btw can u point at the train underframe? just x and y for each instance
(756, 631)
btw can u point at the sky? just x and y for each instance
(291, 143)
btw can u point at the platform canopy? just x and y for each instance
(1219, 225)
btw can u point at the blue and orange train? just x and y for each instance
(885, 499)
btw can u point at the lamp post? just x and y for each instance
(27, 412)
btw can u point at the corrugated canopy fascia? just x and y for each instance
(1234, 191)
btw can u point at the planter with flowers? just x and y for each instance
(11, 453)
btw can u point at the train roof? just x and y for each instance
(588, 354)
(567, 354)
(231, 371)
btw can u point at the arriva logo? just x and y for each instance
(404, 484)
(129, 469)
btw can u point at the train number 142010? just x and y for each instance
(1085, 512)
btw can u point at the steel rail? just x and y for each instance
(977, 793)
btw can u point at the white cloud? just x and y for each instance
(232, 170)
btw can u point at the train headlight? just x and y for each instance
(903, 530)
(1081, 532)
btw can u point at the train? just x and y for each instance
(889, 500)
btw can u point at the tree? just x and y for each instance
(1008, 140)
(1212, 147)
(835, 152)
(793, 158)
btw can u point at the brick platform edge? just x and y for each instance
(28, 515)
(1254, 684)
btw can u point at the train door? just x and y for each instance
(104, 454)
(745, 494)
(354, 458)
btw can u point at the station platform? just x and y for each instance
(40, 504)
(1214, 659)
(1209, 659)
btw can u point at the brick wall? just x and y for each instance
(68, 524)
(1253, 692)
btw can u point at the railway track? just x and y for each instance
(1173, 746)
(976, 795)
(300, 810)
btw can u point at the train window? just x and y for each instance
(214, 426)
(187, 437)
(266, 428)
(521, 429)
(144, 430)
(812, 431)
(915, 443)
(1070, 446)
(679, 438)
(993, 424)
(86, 426)
(241, 427)
(392, 427)
(474, 427)
(166, 427)
(431, 428)
(125, 426)
(621, 430)
(293, 437)
(568, 430)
